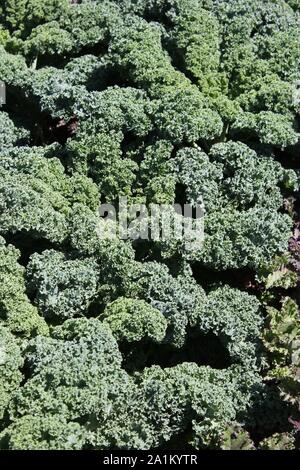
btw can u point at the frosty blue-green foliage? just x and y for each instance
(63, 288)
(82, 368)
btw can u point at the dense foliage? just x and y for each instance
(121, 344)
